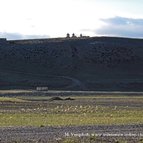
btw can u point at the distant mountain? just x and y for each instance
(88, 63)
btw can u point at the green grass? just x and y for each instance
(20, 111)
(14, 91)
(11, 99)
(75, 116)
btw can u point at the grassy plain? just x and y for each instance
(83, 110)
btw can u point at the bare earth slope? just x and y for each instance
(96, 63)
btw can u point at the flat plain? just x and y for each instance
(33, 116)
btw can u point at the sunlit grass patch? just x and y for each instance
(23, 111)
(100, 115)
(11, 99)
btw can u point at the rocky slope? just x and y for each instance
(96, 63)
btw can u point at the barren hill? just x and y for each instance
(96, 63)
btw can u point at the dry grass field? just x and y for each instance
(76, 110)
(20, 109)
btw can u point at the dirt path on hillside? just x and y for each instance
(75, 83)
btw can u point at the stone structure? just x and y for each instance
(73, 35)
(68, 35)
(42, 88)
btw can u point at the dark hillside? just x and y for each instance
(97, 63)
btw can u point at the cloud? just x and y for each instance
(17, 36)
(121, 26)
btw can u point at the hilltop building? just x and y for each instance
(73, 35)
(68, 35)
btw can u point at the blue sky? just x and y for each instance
(21, 19)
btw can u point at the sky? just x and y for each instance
(24, 19)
